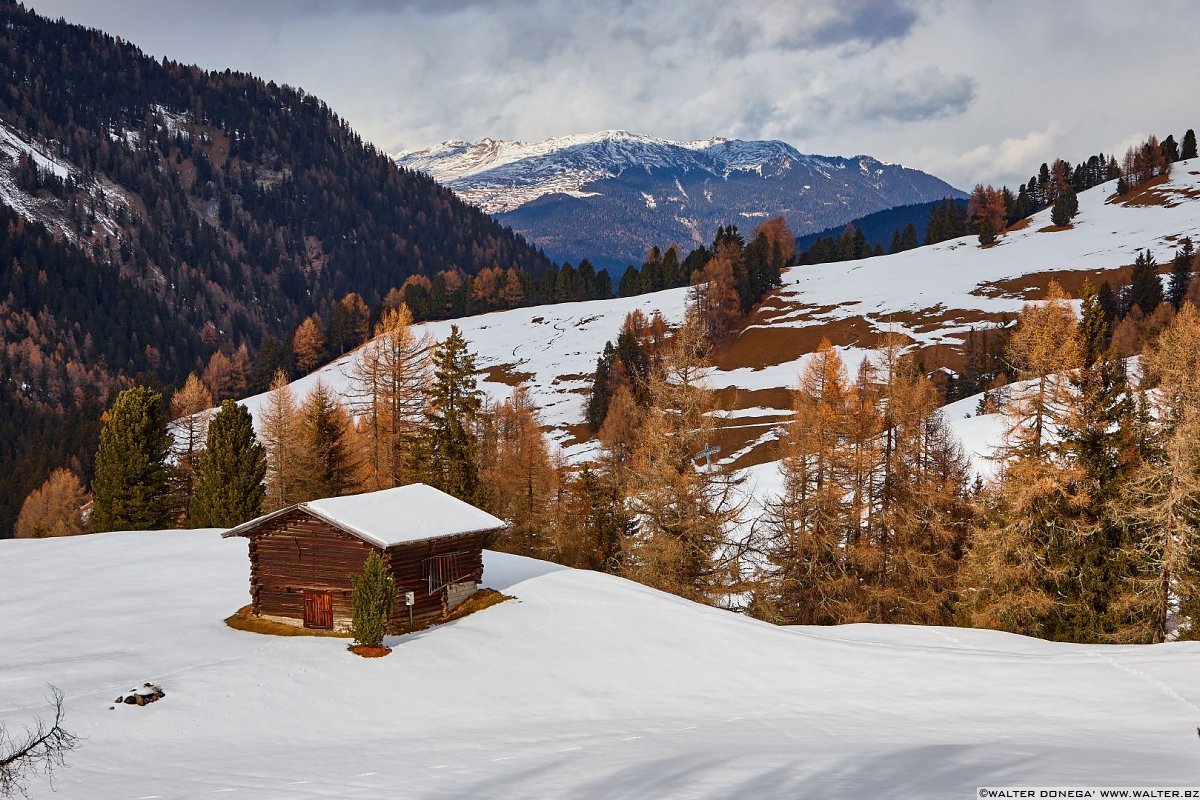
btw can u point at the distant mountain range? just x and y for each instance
(607, 196)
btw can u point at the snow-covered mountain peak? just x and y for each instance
(606, 195)
(502, 175)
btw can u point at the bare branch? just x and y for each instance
(42, 749)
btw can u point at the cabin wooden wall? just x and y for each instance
(296, 552)
(407, 562)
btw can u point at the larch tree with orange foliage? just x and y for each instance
(388, 383)
(1036, 510)
(53, 509)
(685, 511)
(190, 407)
(523, 476)
(308, 345)
(808, 579)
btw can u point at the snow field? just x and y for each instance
(585, 686)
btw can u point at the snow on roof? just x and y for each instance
(390, 517)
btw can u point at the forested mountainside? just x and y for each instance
(607, 195)
(184, 211)
(878, 228)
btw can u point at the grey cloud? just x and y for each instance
(815, 24)
(927, 94)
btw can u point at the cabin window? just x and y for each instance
(443, 570)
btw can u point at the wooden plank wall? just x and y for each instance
(407, 562)
(297, 552)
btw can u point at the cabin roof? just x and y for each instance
(390, 517)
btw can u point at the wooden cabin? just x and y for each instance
(302, 557)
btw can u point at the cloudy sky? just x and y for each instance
(971, 91)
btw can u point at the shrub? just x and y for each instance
(373, 599)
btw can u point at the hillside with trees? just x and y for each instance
(159, 218)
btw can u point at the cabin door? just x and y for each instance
(318, 610)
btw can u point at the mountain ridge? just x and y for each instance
(608, 195)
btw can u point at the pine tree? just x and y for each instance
(1188, 149)
(230, 489)
(916, 524)
(131, 488)
(447, 451)
(593, 533)
(1096, 437)
(1064, 209)
(1145, 289)
(372, 599)
(601, 393)
(328, 463)
(1181, 273)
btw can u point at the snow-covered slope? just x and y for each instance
(933, 295)
(645, 190)
(585, 686)
(50, 210)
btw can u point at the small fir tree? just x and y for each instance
(1060, 214)
(1188, 149)
(1181, 273)
(372, 600)
(130, 488)
(230, 488)
(1145, 289)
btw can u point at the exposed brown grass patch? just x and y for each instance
(732, 397)
(1056, 228)
(1149, 194)
(757, 348)
(244, 619)
(506, 374)
(1033, 285)
(1019, 225)
(577, 433)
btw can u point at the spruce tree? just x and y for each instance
(598, 399)
(1181, 273)
(1060, 214)
(1188, 149)
(446, 456)
(329, 465)
(1145, 289)
(1097, 438)
(372, 600)
(230, 488)
(131, 485)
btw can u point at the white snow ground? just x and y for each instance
(587, 686)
